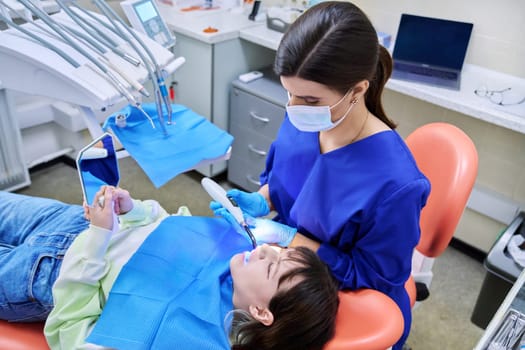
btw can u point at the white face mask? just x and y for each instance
(315, 118)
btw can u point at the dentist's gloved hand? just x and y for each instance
(269, 231)
(264, 230)
(251, 203)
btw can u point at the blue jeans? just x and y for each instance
(35, 233)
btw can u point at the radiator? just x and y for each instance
(13, 172)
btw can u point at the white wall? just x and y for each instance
(498, 36)
(497, 43)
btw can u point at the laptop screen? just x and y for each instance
(432, 41)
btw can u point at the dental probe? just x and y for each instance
(219, 194)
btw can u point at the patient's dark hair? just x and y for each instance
(304, 315)
(334, 43)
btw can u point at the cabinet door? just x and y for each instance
(230, 59)
(194, 78)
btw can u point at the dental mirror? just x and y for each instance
(97, 165)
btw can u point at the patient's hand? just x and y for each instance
(123, 201)
(102, 212)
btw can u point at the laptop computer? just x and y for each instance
(430, 50)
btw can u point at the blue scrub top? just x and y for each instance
(361, 201)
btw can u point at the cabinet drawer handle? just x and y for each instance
(257, 151)
(252, 180)
(261, 119)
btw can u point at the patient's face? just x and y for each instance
(255, 280)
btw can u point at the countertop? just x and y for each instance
(463, 101)
(228, 22)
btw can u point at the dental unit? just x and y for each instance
(161, 92)
(92, 51)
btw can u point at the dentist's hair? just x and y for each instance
(304, 314)
(334, 43)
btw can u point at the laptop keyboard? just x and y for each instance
(431, 72)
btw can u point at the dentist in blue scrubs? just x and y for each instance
(341, 180)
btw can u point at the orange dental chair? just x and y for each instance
(22, 336)
(361, 325)
(448, 158)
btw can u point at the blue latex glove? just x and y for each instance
(264, 230)
(251, 203)
(269, 231)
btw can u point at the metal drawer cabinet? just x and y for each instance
(255, 113)
(250, 147)
(254, 123)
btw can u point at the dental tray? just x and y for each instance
(510, 332)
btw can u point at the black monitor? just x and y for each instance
(432, 41)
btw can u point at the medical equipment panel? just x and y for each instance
(257, 111)
(144, 16)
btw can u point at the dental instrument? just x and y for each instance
(161, 92)
(102, 51)
(138, 86)
(96, 62)
(109, 14)
(96, 47)
(58, 30)
(510, 333)
(219, 194)
(103, 37)
(72, 31)
(61, 77)
(41, 41)
(90, 32)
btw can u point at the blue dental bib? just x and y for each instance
(175, 291)
(191, 139)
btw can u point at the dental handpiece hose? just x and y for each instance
(105, 39)
(89, 32)
(156, 74)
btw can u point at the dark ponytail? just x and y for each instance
(377, 83)
(334, 43)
